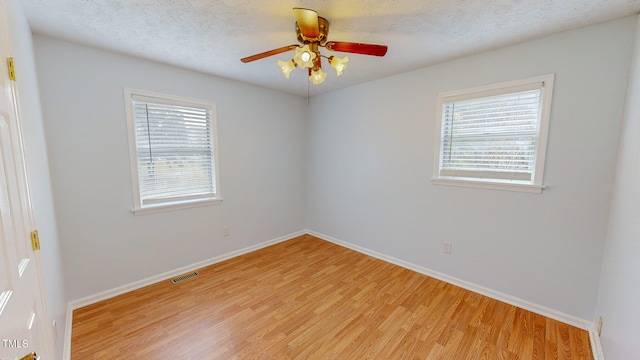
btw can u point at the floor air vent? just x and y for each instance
(184, 277)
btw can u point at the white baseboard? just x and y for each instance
(66, 348)
(92, 299)
(596, 345)
(512, 300)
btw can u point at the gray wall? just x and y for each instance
(619, 293)
(262, 167)
(371, 153)
(38, 167)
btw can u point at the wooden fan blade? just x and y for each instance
(268, 53)
(307, 22)
(356, 48)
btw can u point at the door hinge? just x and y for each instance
(35, 240)
(12, 69)
(31, 356)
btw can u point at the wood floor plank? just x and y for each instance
(538, 337)
(309, 299)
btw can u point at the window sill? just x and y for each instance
(481, 184)
(152, 209)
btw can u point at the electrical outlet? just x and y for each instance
(446, 248)
(600, 326)
(226, 231)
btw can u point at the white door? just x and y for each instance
(23, 319)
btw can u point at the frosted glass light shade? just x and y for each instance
(304, 57)
(317, 76)
(287, 67)
(338, 64)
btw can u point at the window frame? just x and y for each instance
(536, 185)
(138, 207)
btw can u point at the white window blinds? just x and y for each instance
(492, 137)
(174, 145)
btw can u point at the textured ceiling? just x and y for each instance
(212, 35)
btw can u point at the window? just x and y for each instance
(494, 136)
(173, 148)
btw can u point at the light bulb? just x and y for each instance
(287, 67)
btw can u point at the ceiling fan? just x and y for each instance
(312, 31)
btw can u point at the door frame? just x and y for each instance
(46, 331)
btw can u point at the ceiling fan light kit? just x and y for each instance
(312, 31)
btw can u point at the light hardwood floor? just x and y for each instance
(309, 299)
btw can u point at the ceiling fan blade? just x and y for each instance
(356, 48)
(268, 53)
(307, 22)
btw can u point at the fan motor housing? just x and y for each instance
(323, 32)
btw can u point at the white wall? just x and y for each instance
(38, 166)
(619, 294)
(371, 158)
(262, 166)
